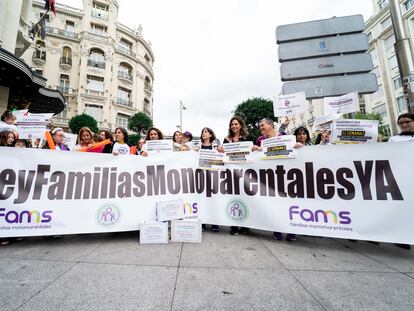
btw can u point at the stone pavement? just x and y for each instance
(245, 272)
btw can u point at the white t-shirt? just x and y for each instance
(7, 127)
(398, 138)
(121, 148)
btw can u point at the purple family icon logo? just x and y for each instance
(108, 215)
(237, 211)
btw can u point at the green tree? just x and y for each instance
(134, 138)
(79, 121)
(374, 116)
(140, 123)
(252, 111)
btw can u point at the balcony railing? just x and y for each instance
(100, 15)
(60, 120)
(96, 63)
(95, 93)
(65, 61)
(147, 111)
(125, 50)
(123, 101)
(61, 32)
(148, 87)
(125, 75)
(39, 55)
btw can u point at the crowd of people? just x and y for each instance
(118, 143)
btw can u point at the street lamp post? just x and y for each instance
(404, 53)
(182, 107)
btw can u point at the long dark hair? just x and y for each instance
(3, 138)
(213, 136)
(108, 135)
(304, 130)
(124, 131)
(160, 136)
(243, 128)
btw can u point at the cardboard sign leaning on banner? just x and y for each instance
(238, 152)
(170, 210)
(286, 105)
(343, 104)
(188, 231)
(152, 232)
(158, 146)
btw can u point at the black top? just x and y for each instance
(226, 141)
(207, 147)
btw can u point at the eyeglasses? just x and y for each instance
(403, 123)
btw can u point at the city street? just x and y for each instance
(245, 272)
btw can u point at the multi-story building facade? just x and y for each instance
(103, 68)
(389, 100)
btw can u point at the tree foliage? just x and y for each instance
(82, 120)
(252, 111)
(133, 139)
(140, 123)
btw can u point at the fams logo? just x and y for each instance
(320, 215)
(14, 217)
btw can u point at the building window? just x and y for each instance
(402, 104)
(99, 30)
(100, 11)
(125, 71)
(386, 22)
(147, 84)
(122, 120)
(374, 57)
(66, 57)
(147, 104)
(369, 36)
(408, 4)
(397, 83)
(94, 111)
(40, 51)
(382, 4)
(147, 58)
(125, 46)
(382, 110)
(124, 96)
(96, 58)
(95, 85)
(70, 27)
(64, 84)
(392, 62)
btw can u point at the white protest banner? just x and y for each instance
(324, 122)
(187, 231)
(279, 147)
(342, 104)
(169, 210)
(210, 159)
(152, 232)
(238, 152)
(31, 125)
(158, 146)
(286, 105)
(70, 140)
(361, 192)
(349, 131)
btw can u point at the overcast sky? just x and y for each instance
(214, 54)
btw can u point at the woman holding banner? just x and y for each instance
(267, 128)
(84, 138)
(237, 132)
(406, 125)
(177, 140)
(105, 135)
(302, 136)
(121, 142)
(7, 139)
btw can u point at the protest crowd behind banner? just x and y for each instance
(357, 190)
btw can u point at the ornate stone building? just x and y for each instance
(103, 68)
